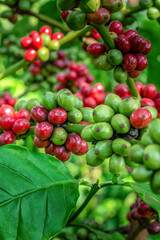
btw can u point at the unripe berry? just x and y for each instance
(7, 138)
(116, 27)
(57, 116)
(39, 114)
(122, 43)
(100, 17)
(20, 126)
(43, 130)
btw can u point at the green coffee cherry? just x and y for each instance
(46, 39)
(113, 101)
(22, 104)
(146, 139)
(103, 149)
(87, 113)
(49, 101)
(153, 13)
(92, 159)
(118, 16)
(121, 147)
(116, 165)
(112, 5)
(119, 74)
(154, 130)
(153, 111)
(130, 163)
(102, 113)
(79, 103)
(59, 136)
(146, 3)
(86, 134)
(155, 182)
(76, 20)
(66, 100)
(115, 57)
(136, 153)
(103, 63)
(129, 105)
(45, 86)
(32, 103)
(120, 123)
(74, 116)
(89, 6)
(54, 45)
(141, 174)
(102, 131)
(64, 90)
(157, 3)
(151, 157)
(43, 54)
(65, 5)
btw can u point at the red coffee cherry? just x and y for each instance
(38, 63)
(34, 34)
(50, 149)
(129, 62)
(71, 75)
(99, 88)
(145, 210)
(96, 49)
(157, 104)
(133, 73)
(140, 118)
(7, 138)
(149, 91)
(122, 43)
(61, 54)
(61, 153)
(129, 216)
(73, 66)
(23, 114)
(148, 47)
(57, 36)
(90, 102)
(135, 215)
(30, 54)
(46, 29)
(134, 205)
(158, 95)
(85, 89)
(73, 143)
(142, 62)
(11, 101)
(59, 63)
(2, 101)
(79, 95)
(34, 70)
(130, 33)
(41, 144)
(64, 14)
(90, 79)
(95, 34)
(116, 27)
(7, 110)
(137, 44)
(43, 130)
(59, 86)
(139, 87)
(20, 126)
(26, 42)
(122, 90)
(37, 42)
(39, 114)
(100, 17)
(61, 78)
(57, 116)
(154, 227)
(6, 122)
(82, 70)
(83, 149)
(147, 102)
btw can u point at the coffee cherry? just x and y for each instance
(120, 75)
(137, 44)
(154, 227)
(7, 138)
(116, 27)
(83, 149)
(71, 75)
(96, 49)
(102, 131)
(46, 29)
(26, 42)
(85, 89)
(39, 114)
(157, 104)
(112, 6)
(140, 118)
(30, 54)
(50, 149)
(139, 87)
(149, 91)
(90, 79)
(7, 110)
(34, 34)
(130, 33)
(148, 47)
(100, 17)
(57, 116)
(41, 144)
(82, 71)
(46, 39)
(122, 90)
(22, 114)
(90, 102)
(147, 102)
(61, 153)
(133, 73)
(129, 62)
(122, 43)
(115, 57)
(145, 210)
(142, 62)
(95, 34)
(43, 130)
(6, 122)
(37, 42)
(73, 143)
(153, 13)
(61, 78)
(64, 14)
(57, 36)
(34, 70)
(38, 63)
(43, 54)
(135, 215)
(20, 126)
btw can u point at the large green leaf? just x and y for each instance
(145, 192)
(37, 194)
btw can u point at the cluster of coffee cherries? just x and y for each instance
(146, 156)
(39, 44)
(6, 98)
(52, 117)
(12, 124)
(89, 11)
(145, 215)
(91, 95)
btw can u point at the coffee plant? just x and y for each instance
(79, 112)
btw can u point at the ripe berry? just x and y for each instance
(100, 17)
(79, 95)
(96, 49)
(30, 54)
(83, 149)
(99, 87)
(149, 91)
(122, 43)
(73, 143)
(61, 153)
(20, 126)
(43, 130)
(7, 110)
(139, 87)
(90, 102)
(154, 227)
(37, 42)
(11, 101)
(157, 104)
(59, 63)
(23, 114)
(61, 78)
(116, 27)
(46, 29)
(145, 210)
(129, 62)
(147, 102)
(26, 42)
(85, 89)
(140, 118)
(130, 33)
(7, 138)
(50, 149)
(122, 90)
(34, 34)
(34, 70)
(95, 34)
(64, 14)
(90, 79)
(2, 101)
(137, 44)
(133, 73)
(82, 70)
(57, 116)
(148, 47)
(41, 144)
(57, 36)
(71, 75)
(39, 114)
(38, 63)
(135, 215)
(142, 62)
(6, 122)
(73, 66)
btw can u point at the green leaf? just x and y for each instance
(145, 192)
(37, 194)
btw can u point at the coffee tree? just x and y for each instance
(70, 133)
